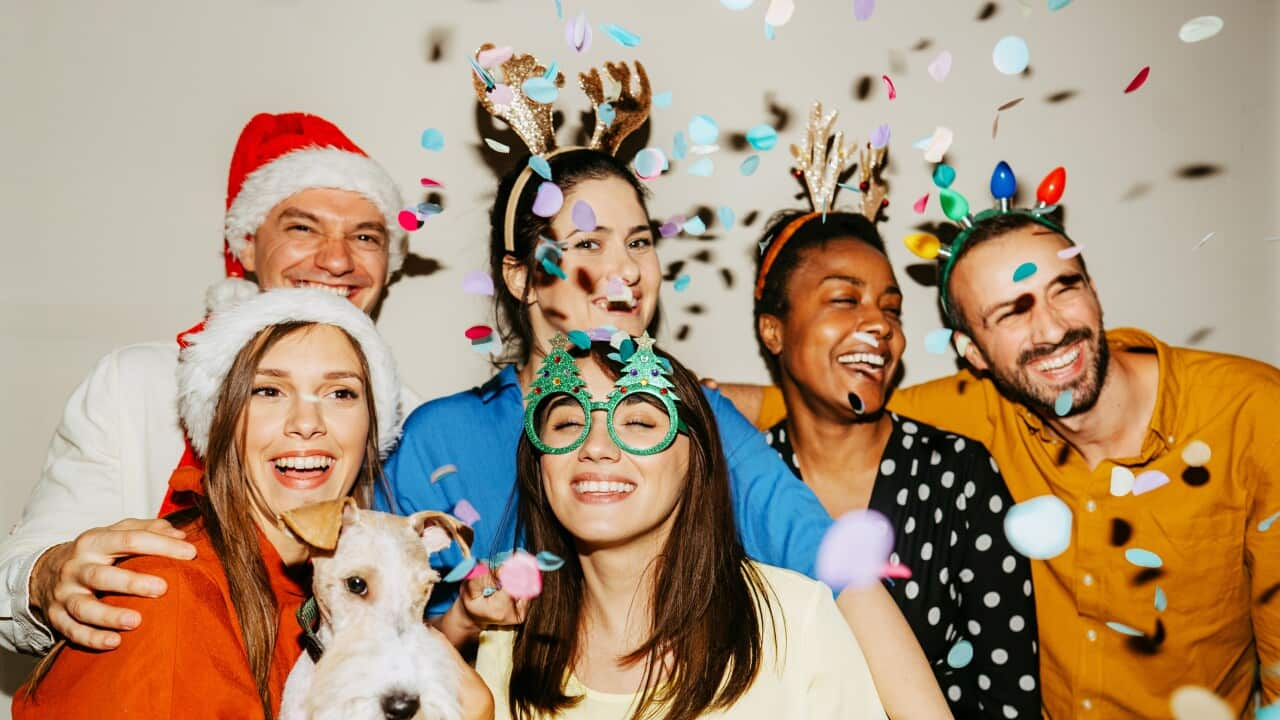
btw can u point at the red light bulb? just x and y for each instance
(1052, 187)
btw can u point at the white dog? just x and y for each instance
(373, 578)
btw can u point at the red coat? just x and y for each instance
(186, 659)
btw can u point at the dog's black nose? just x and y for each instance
(399, 706)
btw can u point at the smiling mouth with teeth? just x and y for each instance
(1058, 363)
(341, 291)
(873, 361)
(305, 471)
(602, 487)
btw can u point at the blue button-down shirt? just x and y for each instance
(476, 432)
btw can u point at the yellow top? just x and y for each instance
(1211, 527)
(820, 672)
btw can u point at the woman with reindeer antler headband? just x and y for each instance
(572, 249)
(828, 313)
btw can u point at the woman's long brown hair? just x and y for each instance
(226, 507)
(709, 604)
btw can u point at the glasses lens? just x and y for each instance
(560, 421)
(641, 421)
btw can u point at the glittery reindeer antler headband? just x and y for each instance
(820, 160)
(619, 110)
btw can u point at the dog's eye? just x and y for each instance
(357, 586)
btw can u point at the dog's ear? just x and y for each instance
(430, 523)
(319, 524)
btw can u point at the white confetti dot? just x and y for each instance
(999, 656)
(912, 590)
(1026, 588)
(966, 575)
(922, 491)
(959, 444)
(887, 467)
(954, 538)
(996, 504)
(991, 599)
(994, 466)
(935, 458)
(926, 551)
(1009, 564)
(943, 574)
(1026, 682)
(909, 427)
(910, 525)
(937, 515)
(1009, 712)
(983, 543)
(960, 503)
(907, 441)
(984, 682)
(975, 628)
(902, 495)
(953, 693)
(948, 479)
(970, 489)
(934, 615)
(1016, 623)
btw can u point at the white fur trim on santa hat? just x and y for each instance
(228, 292)
(316, 167)
(204, 363)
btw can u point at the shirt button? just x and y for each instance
(1087, 579)
(1092, 635)
(1091, 506)
(1087, 704)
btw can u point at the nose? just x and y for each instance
(1047, 324)
(876, 322)
(599, 446)
(306, 420)
(334, 256)
(400, 706)
(622, 264)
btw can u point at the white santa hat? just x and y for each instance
(207, 357)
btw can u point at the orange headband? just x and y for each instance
(775, 247)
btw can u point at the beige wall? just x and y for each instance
(120, 119)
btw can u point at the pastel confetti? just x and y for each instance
(1204, 240)
(605, 114)
(501, 94)
(960, 654)
(1058, 4)
(726, 216)
(703, 130)
(940, 68)
(749, 165)
(549, 561)
(1124, 629)
(480, 570)
(1266, 524)
(540, 90)
(939, 144)
(539, 164)
(893, 92)
(762, 137)
(679, 146)
(408, 220)
(944, 175)
(671, 228)
(428, 182)
(497, 146)
(1062, 405)
(737, 4)
(1201, 28)
(1148, 481)
(880, 137)
(854, 550)
(580, 338)
(695, 226)
(962, 343)
(1196, 453)
(662, 99)
(779, 13)
(919, 206)
(1143, 558)
(466, 512)
(559, 10)
(461, 570)
(769, 32)
(477, 282)
(481, 73)
(520, 577)
(1192, 702)
(1122, 480)
(442, 471)
(936, 341)
(1068, 253)
(649, 163)
(1011, 55)
(1039, 528)
(621, 35)
(1138, 80)
(618, 291)
(493, 57)
(548, 201)
(1024, 271)
(432, 139)
(1162, 600)
(862, 9)
(867, 338)
(702, 167)
(584, 218)
(577, 33)
(682, 283)
(553, 269)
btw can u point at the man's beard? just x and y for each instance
(1019, 386)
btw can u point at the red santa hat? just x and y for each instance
(280, 155)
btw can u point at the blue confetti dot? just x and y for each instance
(541, 90)
(702, 167)
(1162, 601)
(769, 32)
(1024, 271)
(606, 114)
(960, 654)
(944, 175)
(621, 35)
(703, 130)
(1058, 4)
(695, 226)
(936, 341)
(662, 99)
(1143, 558)
(679, 146)
(1266, 524)
(682, 282)
(727, 217)
(1124, 629)
(762, 137)
(580, 338)
(1062, 405)
(540, 165)
(553, 269)
(1011, 55)
(432, 139)
(750, 165)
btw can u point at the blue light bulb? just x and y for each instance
(1003, 184)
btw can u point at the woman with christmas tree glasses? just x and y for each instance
(657, 608)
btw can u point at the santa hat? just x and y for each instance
(280, 155)
(206, 359)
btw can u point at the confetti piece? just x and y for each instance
(478, 332)
(1204, 240)
(920, 204)
(1196, 453)
(779, 13)
(559, 10)
(936, 341)
(548, 201)
(477, 282)
(617, 291)
(1269, 712)
(695, 226)
(1143, 558)
(761, 137)
(1270, 520)
(662, 99)
(1162, 600)
(1024, 271)
(1122, 480)
(649, 163)
(679, 146)
(1138, 80)
(737, 4)
(621, 35)
(893, 92)
(584, 218)
(1011, 104)
(1062, 405)
(1058, 4)
(1039, 528)
(1148, 481)
(727, 216)
(960, 654)
(879, 137)
(962, 343)
(1201, 28)
(1192, 702)
(702, 167)
(442, 471)
(549, 561)
(581, 339)
(669, 229)
(553, 269)
(493, 57)
(481, 73)
(703, 130)
(520, 577)
(540, 165)
(1011, 55)
(867, 338)
(497, 146)
(461, 570)
(605, 114)
(750, 165)
(1124, 629)
(939, 144)
(769, 32)
(432, 139)
(501, 94)
(940, 68)
(408, 220)
(944, 175)
(540, 90)
(577, 32)
(862, 9)
(481, 569)
(682, 283)
(1068, 253)
(854, 550)
(465, 512)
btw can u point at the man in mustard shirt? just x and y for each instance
(1165, 456)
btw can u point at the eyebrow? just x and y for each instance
(606, 228)
(372, 225)
(295, 213)
(1065, 278)
(331, 375)
(859, 282)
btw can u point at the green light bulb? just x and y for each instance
(954, 206)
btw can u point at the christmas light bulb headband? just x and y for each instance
(820, 161)
(956, 208)
(618, 110)
(643, 374)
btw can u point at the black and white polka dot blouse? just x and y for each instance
(969, 599)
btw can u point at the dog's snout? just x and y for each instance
(399, 706)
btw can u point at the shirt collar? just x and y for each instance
(505, 381)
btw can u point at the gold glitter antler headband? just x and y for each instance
(624, 112)
(507, 100)
(819, 167)
(874, 190)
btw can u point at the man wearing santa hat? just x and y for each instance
(306, 207)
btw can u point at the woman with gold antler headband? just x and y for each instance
(572, 249)
(829, 320)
